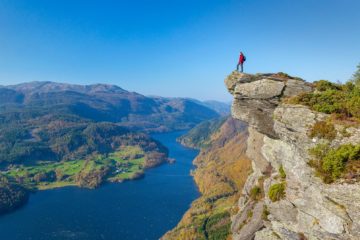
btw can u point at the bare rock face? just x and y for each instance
(256, 97)
(278, 137)
(260, 89)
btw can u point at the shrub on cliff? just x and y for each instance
(323, 129)
(255, 193)
(282, 172)
(323, 85)
(335, 161)
(340, 99)
(353, 104)
(331, 164)
(319, 151)
(277, 191)
(284, 76)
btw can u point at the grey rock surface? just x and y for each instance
(260, 89)
(249, 222)
(257, 96)
(278, 136)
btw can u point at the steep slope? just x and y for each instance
(284, 197)
(220, 175)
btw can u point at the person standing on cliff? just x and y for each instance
(242, 59)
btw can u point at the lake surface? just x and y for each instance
(140, 209)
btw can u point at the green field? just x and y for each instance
(124, 164)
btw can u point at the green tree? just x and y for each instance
(356, 76)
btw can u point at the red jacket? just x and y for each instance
(241, 58)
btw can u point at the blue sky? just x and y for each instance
(177, 48)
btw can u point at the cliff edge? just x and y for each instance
(284, 198)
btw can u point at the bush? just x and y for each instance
(265, 213)
(323, 85)
(330, 164)
(340, 99)
(329, 101)
(353, 105)
(335, 161)
(277, 191)
(323, 129)
(319, 151)
(282, 172)
(283, 75)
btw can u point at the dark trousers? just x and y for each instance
(241, 65)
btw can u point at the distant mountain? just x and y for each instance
(102, 102)
(220, 107)
(57, 121)
(43, 87)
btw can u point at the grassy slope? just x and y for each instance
(222, 170)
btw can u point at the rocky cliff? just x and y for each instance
(303, 207)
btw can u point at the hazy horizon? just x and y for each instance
(177, 48)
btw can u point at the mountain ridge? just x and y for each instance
(104, 102)
(44, 86)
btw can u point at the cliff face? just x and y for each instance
(278, 140)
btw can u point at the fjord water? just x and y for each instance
(139, 209)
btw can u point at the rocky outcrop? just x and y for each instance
(278, 138)
(256, 97)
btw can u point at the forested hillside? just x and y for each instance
(11, 195)
(222, 169)
(200, 136)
